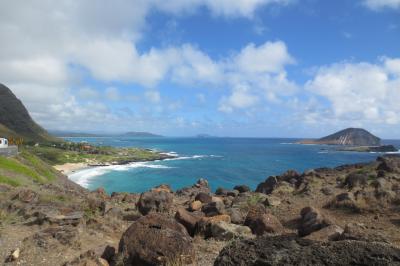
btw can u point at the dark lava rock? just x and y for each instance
(154, 201)
(203, 197)
(187, 219)
(289, 250)
(200, 186)
(268, 185)
(311, 221)
(213, 208)
(233, 193)
(354, 231)
(242, 188)
(155, 240)
(389, 164)
(237, 216)
(261, 222)
(221, 191)
(354, 180)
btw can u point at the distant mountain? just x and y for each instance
(69, 134)
(204, 136)
(141, 135)
(349, 136)
(15, 120)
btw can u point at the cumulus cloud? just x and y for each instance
(364, 92)
(48, 46)
(240, 98)
(381, 4)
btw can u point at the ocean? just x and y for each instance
(224, 162)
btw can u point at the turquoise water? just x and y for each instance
(225, 162)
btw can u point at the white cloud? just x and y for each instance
(47, 44)
(271, 57)
(240, 98)
(381, 4)
(360, 91)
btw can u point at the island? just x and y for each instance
(353, 139)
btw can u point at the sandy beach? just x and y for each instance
(70, 168)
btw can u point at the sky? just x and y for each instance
(255, 68)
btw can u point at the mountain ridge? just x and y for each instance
(15, 120)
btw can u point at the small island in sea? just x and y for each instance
(353, 139)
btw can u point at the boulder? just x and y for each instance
(389, 164)
(225, 231)
(261, 222)
(155, 240)
(242, 188)
(237, 216)
(195, 205)
(203, 226)
(268, 185)
(200, 186)
(213, 208)
(344, 200)
(311, 220)
(272, 201)
(187, 219)
(221, 191)
(289, 250)
(154, 201)
(233, 193)
(356, 180)
(203, 197)
(356, 231)
(163, 187)
(329, 233)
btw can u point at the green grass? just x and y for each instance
(39, 166)
(9, 181)
(17, 167)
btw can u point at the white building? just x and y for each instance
(3, 143)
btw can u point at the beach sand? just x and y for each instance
(70, 168)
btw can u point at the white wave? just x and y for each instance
(287, 143)
(83, 177)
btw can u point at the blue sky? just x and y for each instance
(259, 68)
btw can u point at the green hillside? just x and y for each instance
(15, 121)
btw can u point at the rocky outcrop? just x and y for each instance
(261, 222)
(285, 250)
(311, 220)
(155, 240)
(154, 201)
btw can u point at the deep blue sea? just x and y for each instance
(225, 162)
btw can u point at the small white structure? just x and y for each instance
(3, 143)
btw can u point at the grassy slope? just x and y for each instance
(25, 169)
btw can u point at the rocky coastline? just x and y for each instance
(348, 215)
